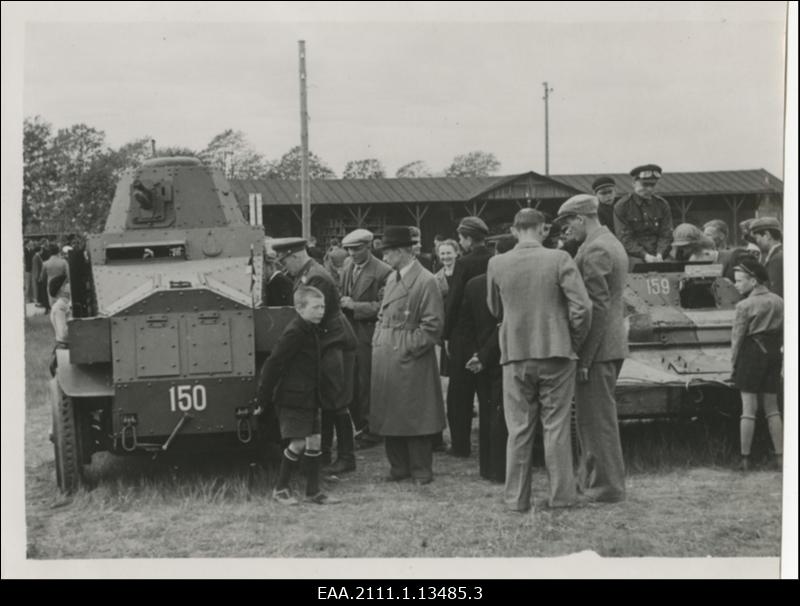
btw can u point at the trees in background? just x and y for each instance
(369, 168)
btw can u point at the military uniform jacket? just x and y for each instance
(406, 391)
(472, 264)
(366, 290)
(335, 330)
(603, 264)
(290, 378)
(276, 291)
(643, 226)
(539, 293)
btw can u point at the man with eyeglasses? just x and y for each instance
(642, 220)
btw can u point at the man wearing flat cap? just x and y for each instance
(643, 220)
(361, 287)
(472, 233)
(767, 233)
(605, 188)
(406, 406)
(603, 265)
(337, 349)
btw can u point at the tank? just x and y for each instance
(168, 355)
(679, 319)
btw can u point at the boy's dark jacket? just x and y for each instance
(290, 376)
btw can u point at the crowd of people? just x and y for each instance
(528, 322)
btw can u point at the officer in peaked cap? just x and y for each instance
(642, 220)
(284, 247)
(767, 234)
(605, 188)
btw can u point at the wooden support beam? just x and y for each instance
(359, 214)
(684, 205)
(417, 212)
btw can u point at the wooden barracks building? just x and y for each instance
(435, 204)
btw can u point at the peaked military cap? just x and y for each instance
(284, 247)
(582, 204)
(765, 223)
(473, 226)
(602, 182)
(357, 237)
(647, 172)
(397, 236)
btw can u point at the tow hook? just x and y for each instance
(128, 438)
(244, 430)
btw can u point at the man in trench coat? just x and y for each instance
(406, 404)
(603, 264)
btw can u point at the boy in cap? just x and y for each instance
(289, 380)
(767, 234)
(756, 342)
(643, 220)
(472, 233)
(361, 288)
(603, 265)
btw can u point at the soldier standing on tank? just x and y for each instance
(337, 345)
(605, 188)
(642, 220)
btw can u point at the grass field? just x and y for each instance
(684, 501)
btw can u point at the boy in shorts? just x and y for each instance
(289, 380)
(756, 343)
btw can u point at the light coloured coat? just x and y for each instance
(603, 264)
(544, 305)
(406, 395)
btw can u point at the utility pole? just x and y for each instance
(305, 185)
(153, 148)
(546, 98)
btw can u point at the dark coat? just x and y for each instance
(472, 264)
(277, 291)
(335, 329)
(605, 212)
(290, 378)
(480, 323)
(366, 292)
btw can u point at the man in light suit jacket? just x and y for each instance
(361, 286)
(603, 264)
(546, 315)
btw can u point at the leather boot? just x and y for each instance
(345, 445)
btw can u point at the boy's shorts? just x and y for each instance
(298, 423)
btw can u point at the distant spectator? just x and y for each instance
(315, 252)
(437, 264)
(377, 249)
(447, 252)
(56, 265)
(60, 314)
(425, 259)
(28, 250)
(767, 233)
(334, 262)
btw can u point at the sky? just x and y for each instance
(689, 87)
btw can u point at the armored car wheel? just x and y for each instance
(66, 439)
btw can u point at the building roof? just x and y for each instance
(463, 189)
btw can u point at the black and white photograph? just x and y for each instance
(409, 291)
